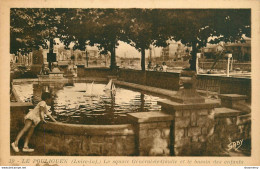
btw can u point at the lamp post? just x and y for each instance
(197, 62)
(87, 58)
(228, 55)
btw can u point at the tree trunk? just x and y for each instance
(193, 56)
(143, 59)
(51, 53)
(113, 58)
(87, 59)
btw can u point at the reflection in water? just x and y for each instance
(142, 102)
(24, 92)
(77, 104)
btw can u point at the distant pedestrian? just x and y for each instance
(16, 59)
(156, 68)
(46, 70)
(164, 67)
(149, 66)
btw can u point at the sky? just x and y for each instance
(123, 50)
(127, 51)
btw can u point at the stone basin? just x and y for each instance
(73, 139)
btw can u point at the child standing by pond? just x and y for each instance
(32, 119)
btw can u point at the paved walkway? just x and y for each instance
(165, 92)
(154, 90)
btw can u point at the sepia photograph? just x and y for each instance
(126, 82)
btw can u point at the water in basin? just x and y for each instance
(87, 103)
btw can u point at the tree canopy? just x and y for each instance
(147, 27)
(32, 27)
(141, 28)
(195, 27)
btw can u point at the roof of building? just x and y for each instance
(210, 46)
(238, 44)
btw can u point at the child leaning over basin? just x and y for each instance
(32, 119)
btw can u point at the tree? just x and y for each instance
(109, 25)
(31, 28)
(147, 27)
(139, 34)
(104, 27)
(194, 27)
(100, 27)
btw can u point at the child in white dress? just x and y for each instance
(32, 119)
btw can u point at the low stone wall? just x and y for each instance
(226, 130)
(170, 80)
(17, 112)
(152, 133)
(223, 65)
(165, 80)
(133, 76)
(69, 139)
(242, 119)
(244, 126)
(225, 85)
(192, 125)
(93, 72)
(240, 86)
(22, 75)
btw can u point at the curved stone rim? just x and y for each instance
(79, 129)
